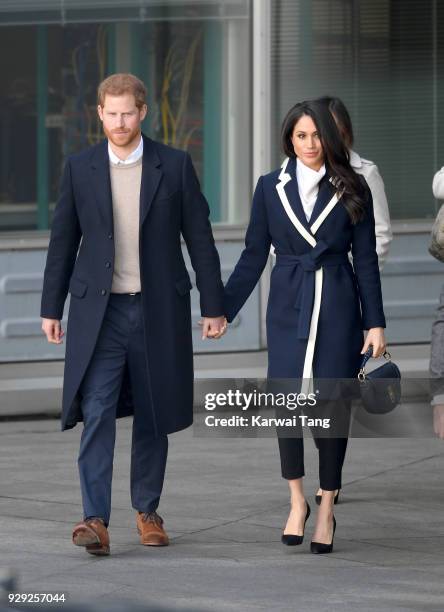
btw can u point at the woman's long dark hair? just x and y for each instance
(335, 152)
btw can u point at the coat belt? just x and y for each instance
(309, 262)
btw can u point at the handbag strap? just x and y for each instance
(368, 355)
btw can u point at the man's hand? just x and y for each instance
(53, 330)
(438, 420)
(213, 327)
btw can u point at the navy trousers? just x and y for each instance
(120, 343)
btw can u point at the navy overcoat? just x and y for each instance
(319, 304)
(171, 204)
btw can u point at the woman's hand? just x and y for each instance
(376, 338)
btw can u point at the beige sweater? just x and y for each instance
(125, 188)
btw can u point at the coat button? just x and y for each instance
(103, 292)
(108, 264)
(110, 236)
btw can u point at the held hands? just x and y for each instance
(53, 330)
(376, 338)
(213, 327)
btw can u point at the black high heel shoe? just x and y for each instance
(318, 498)
(294, 540)
(319, 548)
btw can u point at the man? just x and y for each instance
(126, 201)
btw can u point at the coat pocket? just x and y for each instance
(77, 287)
(184, 286)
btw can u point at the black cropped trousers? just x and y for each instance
(331, 444)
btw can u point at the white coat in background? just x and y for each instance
(383, 230)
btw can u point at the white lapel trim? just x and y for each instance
(307, 373)
(284, 178)
(324, 214)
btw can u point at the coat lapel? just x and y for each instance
(151, 175)
(101, 182)
(325, 194)
(283, 180)
(292, 191)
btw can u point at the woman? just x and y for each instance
(370, 172)
(313, 210)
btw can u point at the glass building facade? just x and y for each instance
(194, 58)
(384, 58)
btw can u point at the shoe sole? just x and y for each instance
(98, 549)
(321, 552)
(90, 540)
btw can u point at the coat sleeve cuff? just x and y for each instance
(51, 314)
(369, 323)
(212, 308)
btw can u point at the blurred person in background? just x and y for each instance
(370, 172)
(437, 342)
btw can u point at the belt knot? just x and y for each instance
(308, 264)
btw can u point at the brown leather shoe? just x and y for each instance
(150, 529)
(93, 535)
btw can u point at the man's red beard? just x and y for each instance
(124, 139)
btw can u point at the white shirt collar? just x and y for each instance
(308, 185)
(308, 178)
(132, 157)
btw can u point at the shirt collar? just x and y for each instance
(308, 182)
(132, 157)
(307, 174)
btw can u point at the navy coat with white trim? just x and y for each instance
(314, 319)
(171, 204)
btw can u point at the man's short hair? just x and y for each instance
(119, 84)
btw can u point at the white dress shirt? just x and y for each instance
(308, 185)
(132, 157)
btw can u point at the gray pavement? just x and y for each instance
(224, 506)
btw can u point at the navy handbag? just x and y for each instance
(380, 389)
